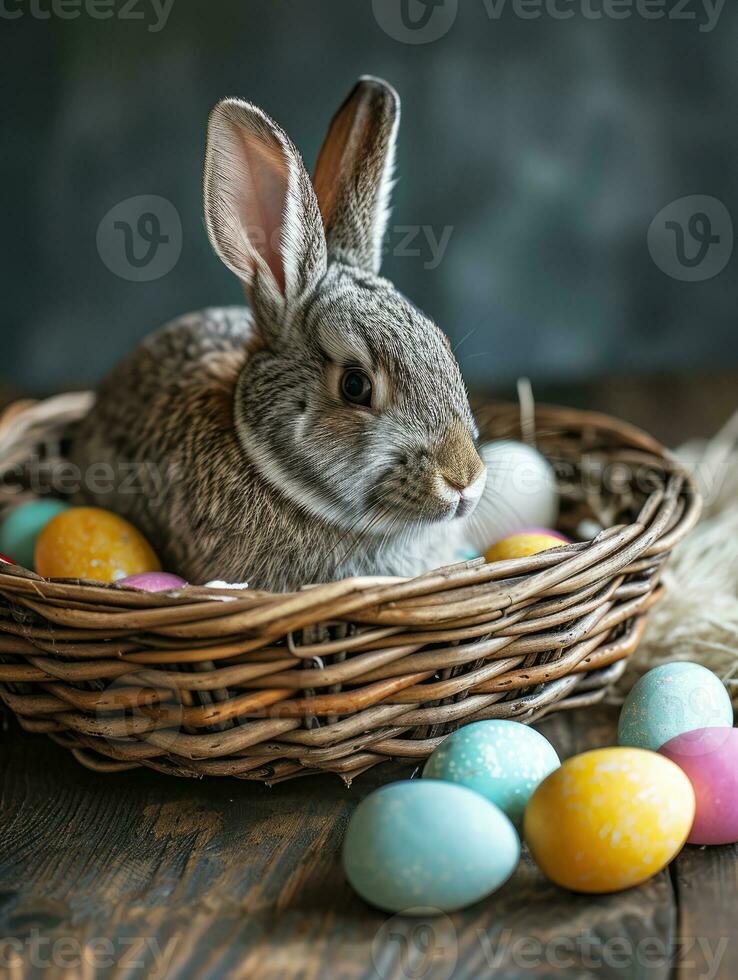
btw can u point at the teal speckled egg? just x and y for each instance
(424, 845)
(672, 699)
(503, 760)
(23, 525)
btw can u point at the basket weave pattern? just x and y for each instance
(341, 676)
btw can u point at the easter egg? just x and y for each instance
(425, 845)
(546, 533)
(588, 529)
(21, 528)
(520, 492)
(609, 819)
(709, 757)
(152, 582)
(671, 699)
(502, 760)
(91, 543)
(524, 545)
(466, 554)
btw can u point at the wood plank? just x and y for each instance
(706, 885)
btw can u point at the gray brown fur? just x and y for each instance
(251, 466)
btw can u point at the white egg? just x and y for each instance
(588, 529)
(521, 493)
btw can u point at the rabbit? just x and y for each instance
(326, 431)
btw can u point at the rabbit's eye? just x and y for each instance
(356, 387)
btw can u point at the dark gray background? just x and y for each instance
(547, 146)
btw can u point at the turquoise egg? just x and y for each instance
(503, 760)
(670, 700)
(466, 554)
(423, 846)
(19, 530)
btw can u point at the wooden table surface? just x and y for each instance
(221, 878)
(138, 874)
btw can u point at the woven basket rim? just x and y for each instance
(74, 403)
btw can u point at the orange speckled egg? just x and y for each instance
(609, 819)
(524, 545)
(91, 543)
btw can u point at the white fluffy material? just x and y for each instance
(217, 584)
(697, 619)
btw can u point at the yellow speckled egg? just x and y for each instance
(525, 544)
(609, 819)
(91, 543)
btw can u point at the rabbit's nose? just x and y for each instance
(459, 463)
(469, 493)
(473, 489)
(454, 483)
(467, 488)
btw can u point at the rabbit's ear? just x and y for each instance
(353, 176)
(261, 211)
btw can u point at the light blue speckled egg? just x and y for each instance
(23, 525)
(424, 846)
(503, 760)
(672, 699)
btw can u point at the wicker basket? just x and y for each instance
(340, 677)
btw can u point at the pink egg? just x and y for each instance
(152, 582)
(709, 757)
(545, 531)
